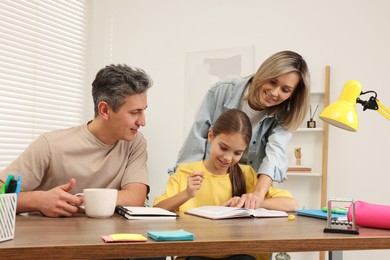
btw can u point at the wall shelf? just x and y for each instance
(304, 174)
(317, 129)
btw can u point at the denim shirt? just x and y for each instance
(267, 149)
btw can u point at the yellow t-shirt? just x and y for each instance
(215, 190)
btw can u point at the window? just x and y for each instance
(42, 70)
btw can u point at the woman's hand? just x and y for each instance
(255, 199)
(248, 201)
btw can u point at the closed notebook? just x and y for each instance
(222, 212)
(145, 213)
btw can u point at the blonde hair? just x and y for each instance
(292, 111)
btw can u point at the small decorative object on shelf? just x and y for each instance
(311, 123)
(298, 155)
(298, 167)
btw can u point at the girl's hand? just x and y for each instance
(248, 201)
(194, 183)
(232, 202)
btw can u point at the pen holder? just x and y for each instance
(7, 216)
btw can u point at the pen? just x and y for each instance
(191, 171)
(186, 170)
(18, 184)
(11, 186)
(9, 178)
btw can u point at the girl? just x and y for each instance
(220, 180)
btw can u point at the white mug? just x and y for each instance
(99, 202)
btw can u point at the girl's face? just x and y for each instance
(225, 151)
(277, 90)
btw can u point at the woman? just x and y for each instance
(276, 100)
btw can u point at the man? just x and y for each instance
(107, 152)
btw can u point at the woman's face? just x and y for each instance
(277, 90)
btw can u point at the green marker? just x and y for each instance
(342, 211)
(2, 191)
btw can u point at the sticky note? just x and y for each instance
(115, 238)
(175, 235)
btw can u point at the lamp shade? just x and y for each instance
(342, 113)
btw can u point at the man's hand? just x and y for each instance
(58, 202)
(194, 183)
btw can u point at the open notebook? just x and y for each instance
(222, 212)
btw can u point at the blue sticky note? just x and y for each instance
(175, 235)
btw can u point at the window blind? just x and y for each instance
(42, 70)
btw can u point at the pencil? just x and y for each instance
(186, 170)
(191, 171)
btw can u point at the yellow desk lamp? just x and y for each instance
(342, 113)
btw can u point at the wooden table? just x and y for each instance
(38, 237)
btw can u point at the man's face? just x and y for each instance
(124, 123)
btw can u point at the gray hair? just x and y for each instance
(114, 83)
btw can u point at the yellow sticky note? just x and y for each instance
(127, 237)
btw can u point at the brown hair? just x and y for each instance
(230, 122)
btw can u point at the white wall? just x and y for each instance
(350, 36)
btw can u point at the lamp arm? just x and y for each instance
(383, 110)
